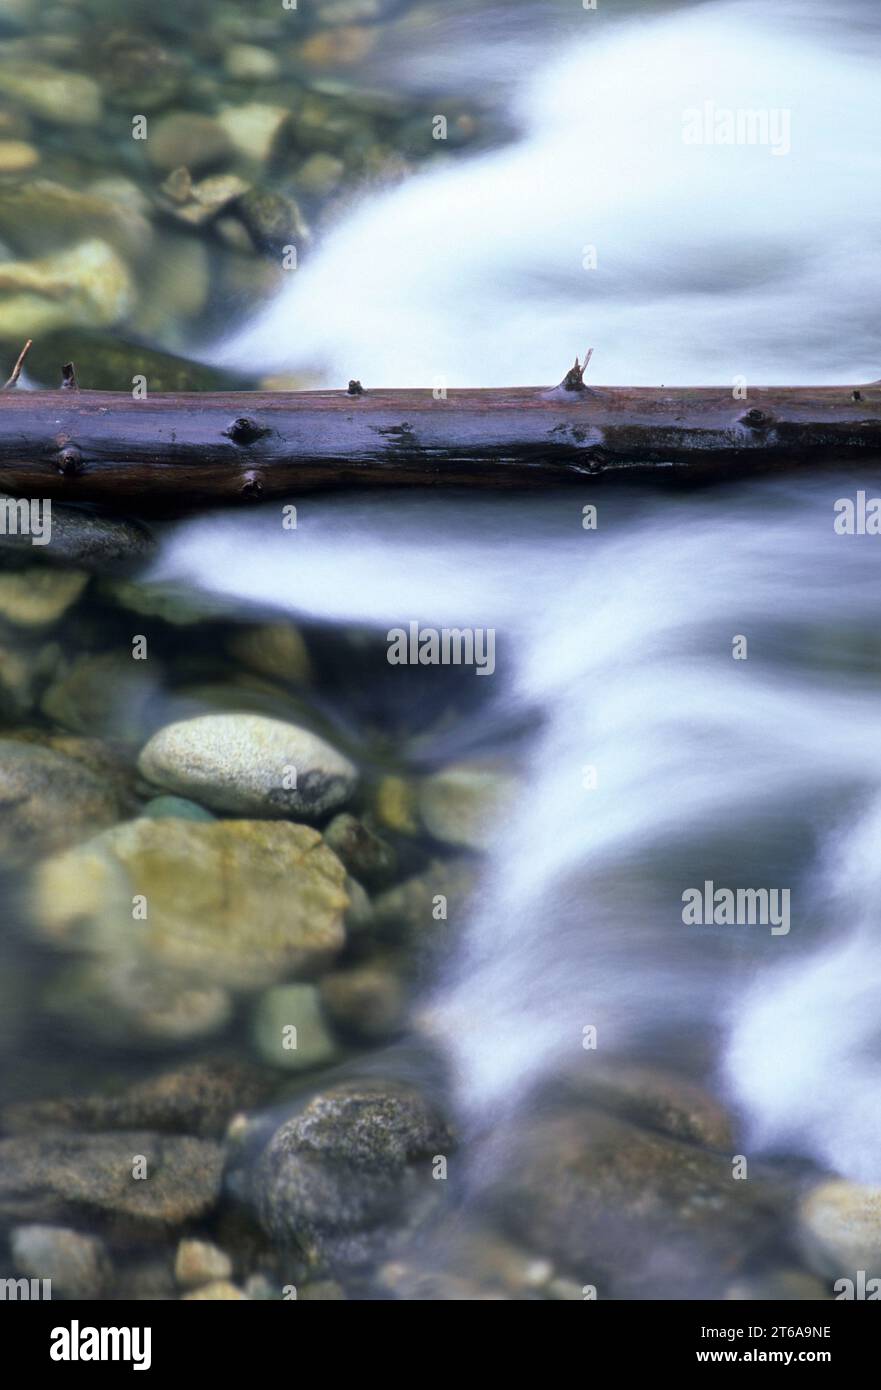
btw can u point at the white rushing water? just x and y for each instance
(713, 262)
(755, 773)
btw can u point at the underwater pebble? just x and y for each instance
(77, 1264)
(200, 1262)
(246, 764)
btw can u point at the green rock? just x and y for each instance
(565, 1291)
(276, 650)
(85, 1176)
(199, 1262)
(104, 761)
(273, 220)
(186, 137)
(319, 175)
(246, 764)
(37, 598)
(183, 277)
(411, 911)
(246, 62)
(106, 362)
(60, 98)
(194, 1098)
(176, 807)
(125, 1000)
(23, 670)
(367, 1002)
(85, 285)
(107, 693)
(78, 539)
(77, 1265)
(137, 73)
(327, 127)
(321, 1291)
(290, 1030)
(244, 694)
(123, 193)
(48, 801)
(40, 217)
(219, 1291)
(652, 1098)
(197, 204)
(396, 805)
(840, 1229)
(463, 804)
(17, 155)
(353, 1159)
(637, 1214)
(173, 603)
(359, 914)
(256, 130)
(366, 856)
(259, 1287)
(238, 904)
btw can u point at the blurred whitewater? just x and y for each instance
(712, 261)
(616, 647)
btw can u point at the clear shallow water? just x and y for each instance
(614, 647)
(617, 645)
(707, 262)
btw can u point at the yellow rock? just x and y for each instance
(276, 650)
(38, 597)
(238, 904)
(462, 804)
(396, 805)
(255, 128)
(339, 47)
(63, 98)
(219, 1292)
(16, 155)
(87, 286)
(198, 1262)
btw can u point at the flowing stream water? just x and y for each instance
(618, 646)
(686, 692)
(714, 262)
(610, 223)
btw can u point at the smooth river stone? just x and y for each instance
(239, 904)
(248, 764)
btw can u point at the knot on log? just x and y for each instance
(756, 419)
(593, 460)
(245, 431)
(69, 460)
(355, 389)
(251, 486)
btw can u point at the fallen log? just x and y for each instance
(170, 453)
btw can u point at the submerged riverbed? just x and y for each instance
(325, 975)
(375, 979)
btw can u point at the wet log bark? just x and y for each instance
(170, 453)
